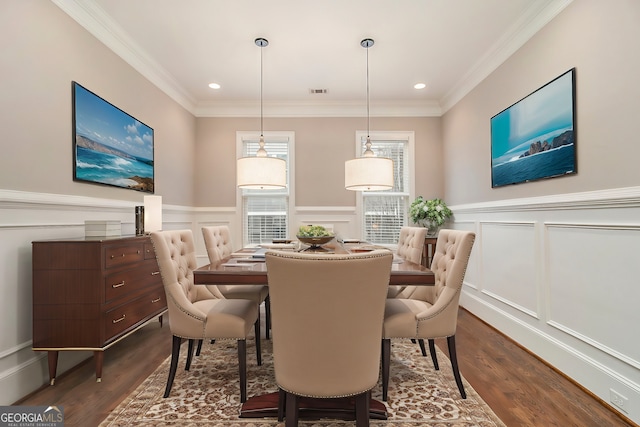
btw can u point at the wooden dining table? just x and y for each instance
(245, 267)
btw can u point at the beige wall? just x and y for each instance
(600, 40)
(43, 51)
(322, 145)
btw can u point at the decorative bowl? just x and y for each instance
(316, 240)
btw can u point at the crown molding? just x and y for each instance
(106, 30)
(536, 17)
(90, 16)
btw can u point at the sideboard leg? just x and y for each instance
(99, 358)
(52, 356)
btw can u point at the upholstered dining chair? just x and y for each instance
(410, 247)
(432, 311)
(194, 312)
(217, 240)
(327, 326)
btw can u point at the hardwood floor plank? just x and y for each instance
(126, 364)
(520, 389)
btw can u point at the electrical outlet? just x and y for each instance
(618, 400)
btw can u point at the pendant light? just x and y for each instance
(368, 173)
(261, 172)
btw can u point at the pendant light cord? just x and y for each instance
(261, 116)
(260, 42)
(368, 115)
(367, 43)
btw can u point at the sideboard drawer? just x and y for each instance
(124, 317)
(121, 255)
(127, 282)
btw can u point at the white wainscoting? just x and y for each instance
(561, 276)
(558, 274)
(25, 217)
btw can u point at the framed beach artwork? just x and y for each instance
(535, 138)
(110, 147)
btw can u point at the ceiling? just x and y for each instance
(182, 46)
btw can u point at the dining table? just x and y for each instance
(247, 266)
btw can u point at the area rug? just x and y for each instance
(208, 394)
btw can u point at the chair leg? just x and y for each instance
(282, 399)
(432, 350)
(386, 361)
(422, 349)
(187, 366)
(175, 354)
(451, 343)
(256, 328)
(199, 349)
(267, 316)
(363, 401)
(242, 367)
(291, 417)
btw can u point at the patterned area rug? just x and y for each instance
(208, 394)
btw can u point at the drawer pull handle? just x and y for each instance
(155, 273)
(113, 256)
(118, 285)
(120, 319)
(138, 251)
(153, 301)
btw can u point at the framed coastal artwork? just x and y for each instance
(535, 138)
(110, 147)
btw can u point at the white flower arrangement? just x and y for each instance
(433, 212)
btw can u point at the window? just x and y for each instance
(383, 213)
(265, 213)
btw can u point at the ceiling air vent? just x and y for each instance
(314, 91)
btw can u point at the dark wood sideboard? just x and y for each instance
(89, 293)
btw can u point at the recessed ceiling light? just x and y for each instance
(214, 85)
(419, 86)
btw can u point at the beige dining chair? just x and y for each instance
(432, 311)
(327, 326)
(410, 247)
(194, 312)
(217, 240)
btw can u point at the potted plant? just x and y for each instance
(431, 214)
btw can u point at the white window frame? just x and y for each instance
(278, 136)
(409, 137)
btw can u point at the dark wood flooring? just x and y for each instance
(520, 389)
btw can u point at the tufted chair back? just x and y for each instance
(410, 247)
(449, 265)
(217, 239)
(327, 320)
(411, 243)
(175, 252)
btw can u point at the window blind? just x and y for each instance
(385, 212)
(265, 212)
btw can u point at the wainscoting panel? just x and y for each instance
(560, 276)
(510, 264)
(592, 268)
